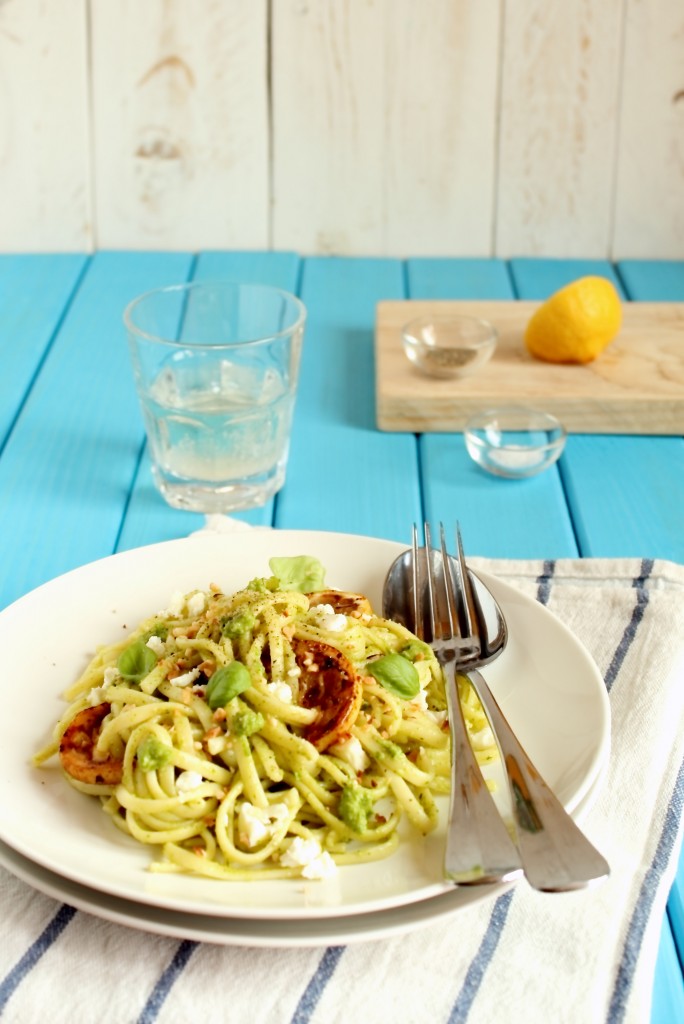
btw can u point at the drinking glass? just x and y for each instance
(216, 367)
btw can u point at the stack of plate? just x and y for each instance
(60, 842)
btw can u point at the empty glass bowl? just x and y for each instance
(449, 346)
(514, 441)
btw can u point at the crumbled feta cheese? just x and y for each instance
(156, 645)
(335, 623)
(96, 696)
(187, 678)
(320, 867)
(278, 812)
(294, 672)
(351, 751)
(326, 618)
(196, 604)
(252, 828)
(308, 855)
(187, 781)
(281, 690)
(300, 852)
(176, 605)
(256, 823)
(110, 674)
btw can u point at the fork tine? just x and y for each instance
(465, 590)
(416, 581)
(449, 590)
(429, 572)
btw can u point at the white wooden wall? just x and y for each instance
(433, 127)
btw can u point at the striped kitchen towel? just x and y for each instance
(517, 956)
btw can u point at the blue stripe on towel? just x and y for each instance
(544, 581)
(481, 961)
(314, 990)
(644, 904)
(45, 940)
(633, 624)
(159, 993)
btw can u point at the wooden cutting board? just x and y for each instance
(636, 385)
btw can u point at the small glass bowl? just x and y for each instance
(514, 441)
(449, 346)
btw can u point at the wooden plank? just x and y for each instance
(393, 150)
(439, 115)
(659, 279)
(539, 278)
(649, 213)
(343, 474)
(67, 467)
(327, 140)
(180, 121)
(45, 201)
(148, 518)
(558, 123)
(458, 279)
(499, 518)
(627, 495)
(34, 290)
(635, 387)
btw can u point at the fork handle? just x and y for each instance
(479, 849)
(555, 853)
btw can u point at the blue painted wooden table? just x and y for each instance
(74, 476)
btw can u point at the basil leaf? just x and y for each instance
(136, 662)
(398, 675)
(301, 572)
(226, 683)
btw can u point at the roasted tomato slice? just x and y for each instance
(329, 683)
(77, 745)
(342, 602)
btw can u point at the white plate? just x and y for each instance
(545, 681)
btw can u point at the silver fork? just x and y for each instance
(555, 853)
(479, 848)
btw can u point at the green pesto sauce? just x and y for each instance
(355, 807)
(247, 722)
(152, 754)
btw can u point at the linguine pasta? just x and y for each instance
(268, 733)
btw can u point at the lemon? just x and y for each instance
(576, 323)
